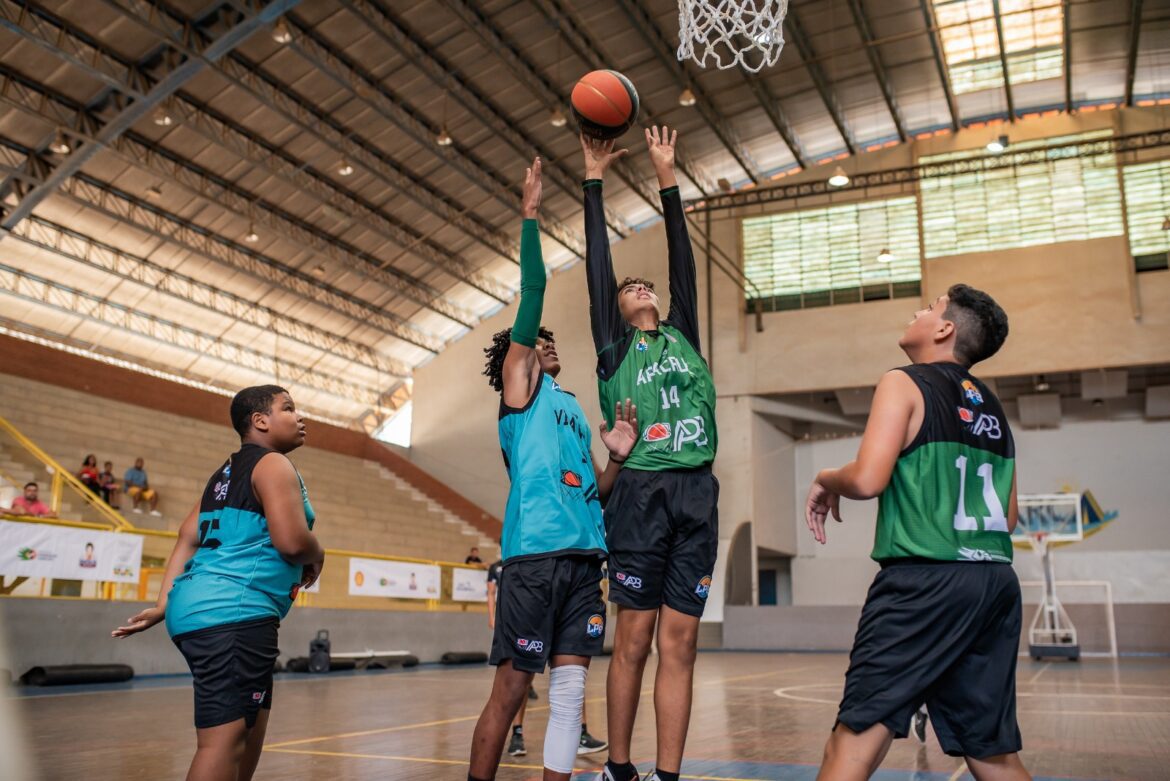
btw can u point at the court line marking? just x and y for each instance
(438, 761)
(959, 771)
(1043, 670)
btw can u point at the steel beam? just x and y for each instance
(771, 106)
(249, 22)
(868, 40)
(1003, 61)
(664, 52)
(90, 252)
(57, 37)
(944, 76)
(106, 199)
(1135, 34)
(803, 46)
(1066, 40)
(31, 287)
(391, 28)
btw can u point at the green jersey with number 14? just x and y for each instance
(948, 496)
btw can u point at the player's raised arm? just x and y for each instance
(604, 316)
(518, 375)
(684, 294)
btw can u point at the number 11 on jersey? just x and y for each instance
(996, 520)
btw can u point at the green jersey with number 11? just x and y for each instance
(948, 496)
(661, 371)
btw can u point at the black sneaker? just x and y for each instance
(516, 745)
(532, 695)
(919, 725)
(590, 744)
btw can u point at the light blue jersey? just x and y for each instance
(236, 574)
(553, 505)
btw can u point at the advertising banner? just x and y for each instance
(379, 578)
(469, 585)
(38, 550)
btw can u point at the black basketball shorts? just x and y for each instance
(662, 532)
(548, 606)
(232, 666)
(945, 634)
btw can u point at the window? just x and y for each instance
(830, 255)
(1033, 38)
(396, 430)
(1147, 201)
(1060, 198)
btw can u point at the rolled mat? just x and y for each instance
(300, 664)
(65, 674)
(386, 662)
(463, 657)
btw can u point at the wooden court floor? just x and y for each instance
(756, 716)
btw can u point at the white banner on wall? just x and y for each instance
(469, 585)
(379, 578)
(37, 550)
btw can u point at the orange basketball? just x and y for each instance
(605, 104)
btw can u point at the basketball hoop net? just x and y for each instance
(747, 33)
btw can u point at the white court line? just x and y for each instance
(959, 771)
(1043, 670)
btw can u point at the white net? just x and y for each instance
(727, 33)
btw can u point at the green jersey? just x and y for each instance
(949, 494)
(661, 371)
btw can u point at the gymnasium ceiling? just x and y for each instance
(237, 191)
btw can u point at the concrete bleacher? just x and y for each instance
(361, 505)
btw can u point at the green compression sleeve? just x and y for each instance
(532, 283)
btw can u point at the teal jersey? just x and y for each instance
(553, 505)
(236, 573)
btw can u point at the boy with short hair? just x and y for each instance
(941, 623)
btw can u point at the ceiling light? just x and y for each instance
(154, 191)
(345, 169)
(885, 256)
(281, 34)
(839, 178)
(687, 98)
(162, 117)
(444, 138)
(60, 144)
(997, 145)
(557, 118)
(252, 236)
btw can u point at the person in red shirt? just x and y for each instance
(88, 474)
(30, 505)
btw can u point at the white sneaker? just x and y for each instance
(138, 510)
(605, 775)
(156, 513)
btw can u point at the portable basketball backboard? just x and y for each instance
(1049, 519)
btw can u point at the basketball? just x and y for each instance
(605, 104)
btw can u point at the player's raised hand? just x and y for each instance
(661, 143)
(821, 503)
(620, 439)
(599, 155)
(533, 189)
(141, 622)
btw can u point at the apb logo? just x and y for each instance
(531, 646)
(596, 626)
(972, 393)
(629, 581)
(689, 431)
(988, 426)
(704, 587)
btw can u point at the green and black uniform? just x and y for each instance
(941, 623)
(661, 521)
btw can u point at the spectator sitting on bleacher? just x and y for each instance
(88, 474)
(108, 484)
(473, 557)
(30, 505)
(138, 488)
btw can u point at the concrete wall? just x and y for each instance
(55, 631)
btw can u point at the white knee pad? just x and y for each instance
(566, 695)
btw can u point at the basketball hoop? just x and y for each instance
(746, 33)
(1039, 541)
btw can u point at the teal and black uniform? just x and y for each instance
(941, 623)
(553, 540)
(662, 519)
(223, 611)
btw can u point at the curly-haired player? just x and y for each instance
(549, 608)
(941, 623)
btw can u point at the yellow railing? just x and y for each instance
(63, 478)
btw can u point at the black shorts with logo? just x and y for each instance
(945, 634)
(548, 606)
(232, 666)
(662, 532)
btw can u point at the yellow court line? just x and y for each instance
(959, 771)
(756, 675)
(438, 761)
